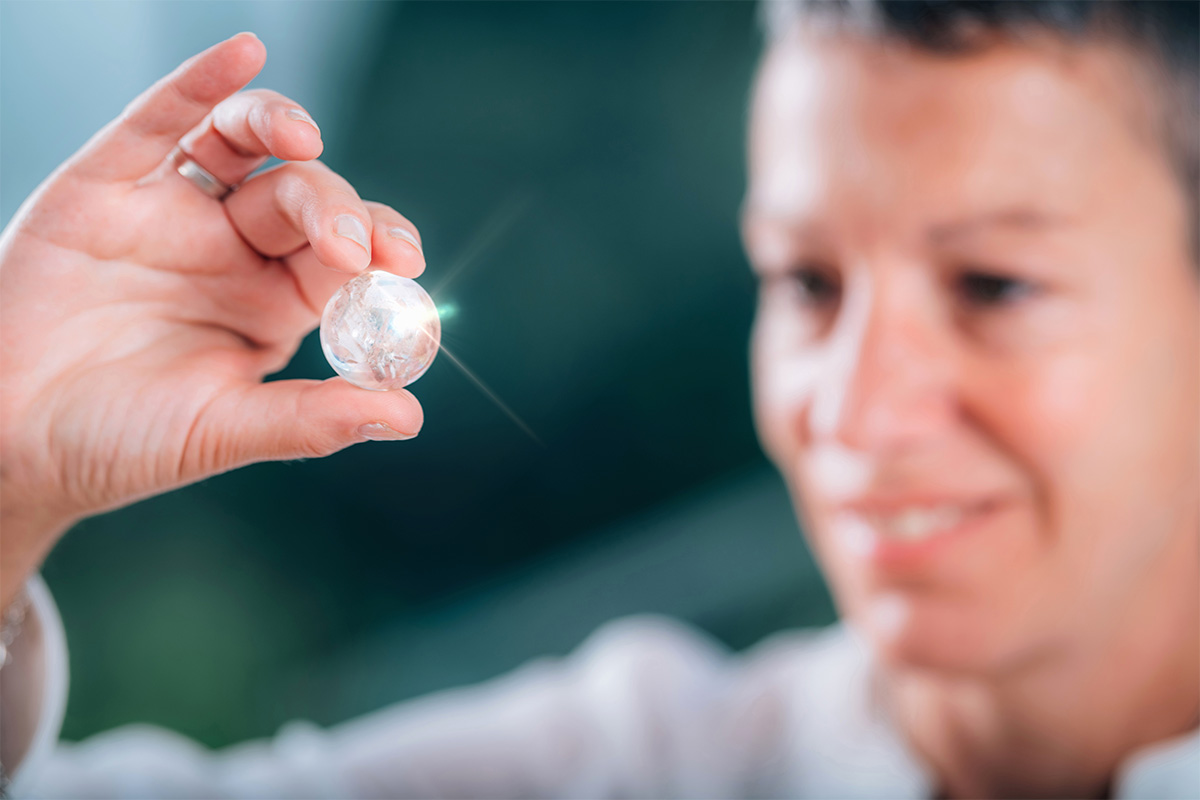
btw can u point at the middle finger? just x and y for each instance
(281, 210)
(396, 247)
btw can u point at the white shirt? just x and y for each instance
(647, 707)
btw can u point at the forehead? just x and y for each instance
(898, 134)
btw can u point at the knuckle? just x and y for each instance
(342, 195)
(407, 408)
(292, 185)
(262, 95)
(320, 440)
(311, 185)
(318, 446)
(258, 118)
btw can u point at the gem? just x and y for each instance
(380, 331)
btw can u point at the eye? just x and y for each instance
(816, 287)
(991, 290)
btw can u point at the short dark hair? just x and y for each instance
(1165, 33)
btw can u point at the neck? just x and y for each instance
(1063, 728)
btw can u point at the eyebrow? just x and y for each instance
(754, 216)
(1020, 219)
(1017, 219)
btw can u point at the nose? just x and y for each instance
(889, 368)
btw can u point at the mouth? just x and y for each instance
(900, 533)
(916, 523)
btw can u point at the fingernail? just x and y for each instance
(300, 116)
(405, 236)
(380, 432)
(351, 227)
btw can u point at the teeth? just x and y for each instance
(919, 523)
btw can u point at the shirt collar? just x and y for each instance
(1168, 769)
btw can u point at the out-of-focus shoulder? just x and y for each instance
(741, 721)
(657, 637)
(650, 644)
(835, 646)
(647, 640)
(802, 641)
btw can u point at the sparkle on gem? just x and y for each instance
(380, 331)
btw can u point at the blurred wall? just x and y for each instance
(67, 68)
(575, 170)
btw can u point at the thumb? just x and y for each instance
(297, 419)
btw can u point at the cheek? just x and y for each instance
(1050, 418)
(1082, 424)
(785, 376)
(1042, 413)
(1097, 432)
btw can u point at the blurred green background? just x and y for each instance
(575, 170)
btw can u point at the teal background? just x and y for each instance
(576, 171)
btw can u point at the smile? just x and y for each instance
(917, 522)
(909, 533)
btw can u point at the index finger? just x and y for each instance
(140, 138)
(246, 128)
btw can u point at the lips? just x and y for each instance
(900, 532)
(917, 522)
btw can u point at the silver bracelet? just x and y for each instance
(10, 626)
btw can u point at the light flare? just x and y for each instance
(499, 223)
(483, 387)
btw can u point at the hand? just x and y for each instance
(138, 315)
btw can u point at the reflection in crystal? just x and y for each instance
(380, 331)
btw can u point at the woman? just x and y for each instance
(974, 363)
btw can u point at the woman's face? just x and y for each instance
(976, 352)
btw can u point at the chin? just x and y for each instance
(913, 631)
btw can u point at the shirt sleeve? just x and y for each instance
(638, 710)
(33, 689)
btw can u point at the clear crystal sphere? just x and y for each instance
(380, 331)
